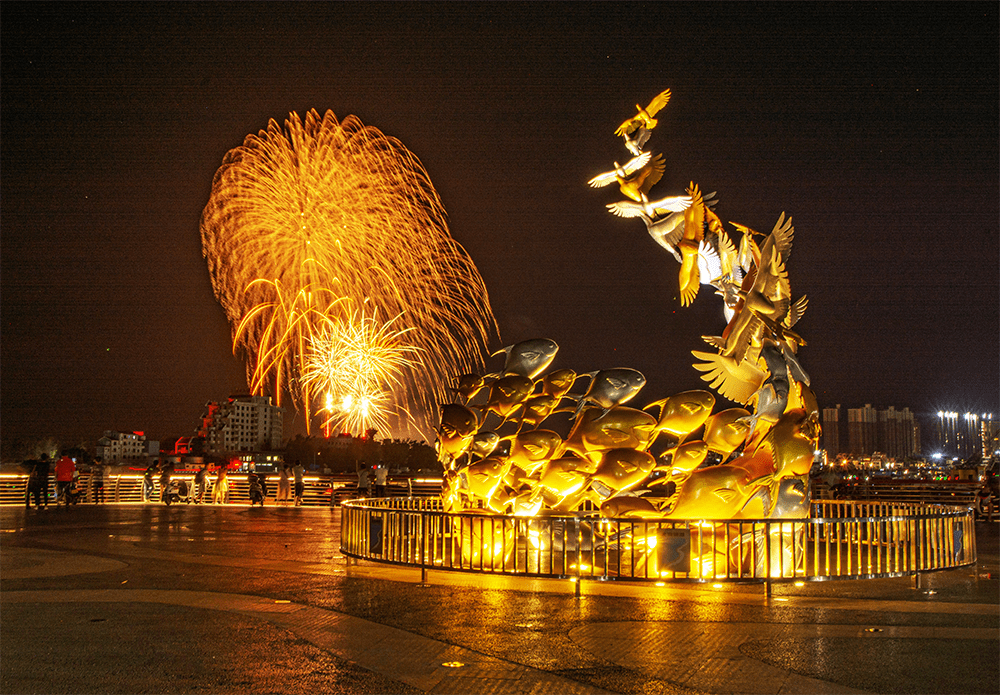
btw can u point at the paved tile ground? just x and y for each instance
(231, 599)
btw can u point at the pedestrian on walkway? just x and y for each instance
(284, 485)
(220, 493)
(65, 468)
(147, 481)
(97, 474)
(44, 465)
(381, 477)
(300, 486)
(199, 484)
(165, 483)
(34, 486)
(362, 482)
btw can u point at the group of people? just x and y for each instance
(37, 488)
(176, 490)
(372, 476)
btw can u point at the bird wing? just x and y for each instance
(633, 165)
(694, 216)
(674, 203)
(737, 381)
(628, 127)
(625, 208)
(603, 179)
(651, 173)
(658, 102)
(795, 311)
(667, 232)
(782, 235)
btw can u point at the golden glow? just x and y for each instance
(308, 221)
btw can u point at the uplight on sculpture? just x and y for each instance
(523, 441)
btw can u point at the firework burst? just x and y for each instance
(309, 219)
(351, 367)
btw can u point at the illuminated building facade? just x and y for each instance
(964, 435)
(894, 433)
(831, 431)
(243, 423)
(115, 447)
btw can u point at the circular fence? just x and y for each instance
(840, 540)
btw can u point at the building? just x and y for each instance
(242, 424)
(898, 435)
(115, 447)
(862, 430)
(965, 435)
(831, 432)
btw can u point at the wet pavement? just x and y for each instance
(204, 599)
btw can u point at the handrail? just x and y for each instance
(840, 540)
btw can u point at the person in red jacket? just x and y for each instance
(65, 468)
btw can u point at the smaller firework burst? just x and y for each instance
(351, 363)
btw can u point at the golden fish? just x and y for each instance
(537, 408)
(468, 385)
(558, 383)
(688, 456)
(529, 358)
(481, 479)
(717, 492)
(529, 450)
(597, 431)
(683, 413)
(507, 394)
(629, 508)
(727, 430)
(623, 469)
(456, 431)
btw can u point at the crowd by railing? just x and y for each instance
(840, 540)
(127, 488)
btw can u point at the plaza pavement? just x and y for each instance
(206, 599)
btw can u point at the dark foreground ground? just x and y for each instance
(184, 599)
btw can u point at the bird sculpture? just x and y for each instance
(620, 172)
(644, 117)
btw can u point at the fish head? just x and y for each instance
(530, 358)
(483, 477)
(529, 449)
(468, 385)
(622, 469)
(611, 387)
(507, 393)
(484, 443)
(563, 476)
(688, 456)
(685, 412)
(558, 383)
(619, 427)
(457, 429)
(727, 430)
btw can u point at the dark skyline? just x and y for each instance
(875, 126)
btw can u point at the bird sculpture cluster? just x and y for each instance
(522, 442)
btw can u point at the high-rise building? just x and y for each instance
(862, 430)
(964, 435)
(831, 431)
(898, 435)
(243, 423)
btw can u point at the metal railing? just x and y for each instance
(841, 540)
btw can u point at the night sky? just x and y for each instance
(875, 126)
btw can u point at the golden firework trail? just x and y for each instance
(317, 216)
(351, 366)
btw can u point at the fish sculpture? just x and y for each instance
(609, 388)
(529, 358)
(683, 413)
(597, 431)
(530, 450)
(456, 432)
(507, 394)
(621, 470)
(468, 385)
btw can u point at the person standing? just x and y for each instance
(65, 468)
(199, 484)
(44, 464)
(284, 486)
(381, 477)
(220, 493)
(363, 482)
(34, 486)
(97, 474)
(300, 486)
(147, 481)
(165, 483)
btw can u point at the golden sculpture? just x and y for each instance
(525, 442)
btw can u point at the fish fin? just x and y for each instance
(726, 494)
